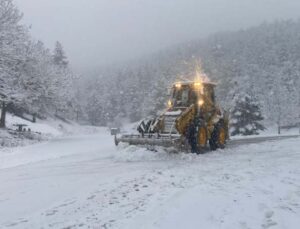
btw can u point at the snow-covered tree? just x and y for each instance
(246, 117)
(13, 38)
(64, 80)
(59, 56)
(34, 74)
(32, 79)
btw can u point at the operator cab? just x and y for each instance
(185, 94)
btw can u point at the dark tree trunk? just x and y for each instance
(34, 118)
(3, 115)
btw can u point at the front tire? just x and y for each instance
(201, 139)
(197, 137)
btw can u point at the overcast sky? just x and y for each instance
(97, 32)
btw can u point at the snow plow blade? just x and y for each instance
(151, 140)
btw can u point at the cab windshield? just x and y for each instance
(181, 97)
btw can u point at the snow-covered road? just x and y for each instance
(85, 182)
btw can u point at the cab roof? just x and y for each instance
(187, 83)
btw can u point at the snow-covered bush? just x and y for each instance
(246, 117)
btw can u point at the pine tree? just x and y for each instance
(246, 117)
(59, 56)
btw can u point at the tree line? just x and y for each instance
(262, 63)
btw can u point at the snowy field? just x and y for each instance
(86, 182)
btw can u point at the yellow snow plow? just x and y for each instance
(191, 121)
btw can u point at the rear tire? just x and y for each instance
(218, 137)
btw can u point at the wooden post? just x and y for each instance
(299, 122)
(3, 115)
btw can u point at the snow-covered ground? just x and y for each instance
(41, 130)
(86, 182)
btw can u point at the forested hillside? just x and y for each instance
(33, 79)
(263, 62)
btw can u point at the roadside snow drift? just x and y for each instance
(39, 126)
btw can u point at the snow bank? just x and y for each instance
(73, 128)
(40, 126)
(127, 153)
(131, 153)
(270, 132)
(41, 130)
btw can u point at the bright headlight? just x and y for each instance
(200, 102)
(178, 85)
(197, 84)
